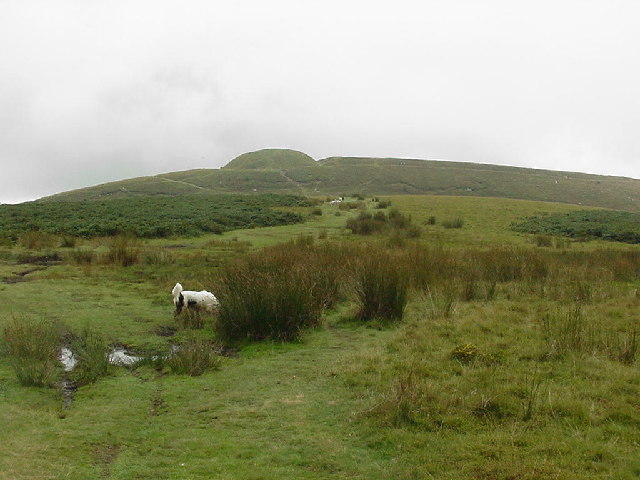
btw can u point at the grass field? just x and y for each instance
(515, 358)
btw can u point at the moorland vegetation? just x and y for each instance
(149, 216)
(424, 339)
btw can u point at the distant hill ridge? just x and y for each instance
(290, 171)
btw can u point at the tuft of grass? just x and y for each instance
(277, 292)
(567, 330)
(532, 394)
(36, 240)
(157, 256)
(193, 319)
(193, 358)
(124, 250)
(33, 347)
(92, 353)
(68, 241)
(382, 287)
(455, 223)
(82, 256)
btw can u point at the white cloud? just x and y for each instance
(96, 91)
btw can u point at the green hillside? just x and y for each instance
(286, 171)
(274, 159)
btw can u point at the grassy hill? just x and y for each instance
(287, 171)
(271, 159)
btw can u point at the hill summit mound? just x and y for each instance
(270, 159)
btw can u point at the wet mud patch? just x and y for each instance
(158, 405)
(68, 389)
(223, 351)
(104, 456)
(22, 276)
(165, 330)
(46, 260)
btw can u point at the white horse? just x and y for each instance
(202, 300)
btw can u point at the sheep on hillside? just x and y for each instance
(202, 300)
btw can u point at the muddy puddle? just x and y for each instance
(22, 276)
(118, 356)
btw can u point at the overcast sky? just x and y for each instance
(93, 91)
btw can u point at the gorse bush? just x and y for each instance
(33, 348)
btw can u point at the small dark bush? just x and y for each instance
(68, 241)
(381, 287)
(455, 223)
(543, 241)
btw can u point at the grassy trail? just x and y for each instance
(278, 411)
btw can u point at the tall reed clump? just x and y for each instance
(382, 286)
(275, 293)
(193, 358)
(123, 250)
(33, 347)
(192, 319)
(37, 240)
(91, 351)
(81, 256)
(567, 330)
